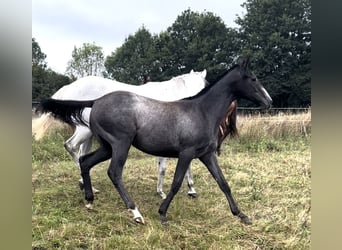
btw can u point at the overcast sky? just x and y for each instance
(59, 25)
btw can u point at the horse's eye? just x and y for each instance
(253, 79)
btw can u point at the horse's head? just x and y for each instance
(196, 78)
(192, 82)
(248, 86)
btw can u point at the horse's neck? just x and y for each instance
(217, 101)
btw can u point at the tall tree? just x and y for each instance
(134, 59)
(38, 70)
(197, 41)
(87, 60)
(45, 82)
(277, 34)
(38, 57)
(194, 41)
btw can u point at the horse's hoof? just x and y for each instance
(137, 217)
(89, 206)
(164, 221)
(162, 195)
(244, 219)
(139, 220)
(192, 195)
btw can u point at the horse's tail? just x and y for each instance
(65, 110)
(41, 124)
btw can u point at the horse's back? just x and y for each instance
(94, 87)
(90, 88)
(121, 104)
(114, 105)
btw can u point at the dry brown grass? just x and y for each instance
(280, 125)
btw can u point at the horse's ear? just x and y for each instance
(248, 62)
(204, 73)
(192, 71)
(244, 62)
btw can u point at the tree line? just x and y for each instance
(275, 34)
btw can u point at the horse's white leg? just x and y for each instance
(79, 144)
(72, 148)
(85, 146)
(81, 135)
(190, 180)
(161, 174)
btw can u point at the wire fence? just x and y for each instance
(271, 111)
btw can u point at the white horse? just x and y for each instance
(93, 87)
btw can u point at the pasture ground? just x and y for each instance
(268, 170)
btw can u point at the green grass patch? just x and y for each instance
(269, 176)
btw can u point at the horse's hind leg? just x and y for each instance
(84, 149)
(86, 163)
(86, 146)
(71, 149)
(80, 144)
(182, 166)
(161, 175)
(115, 174)
(210, 162)
(188, 175)
(81, 135)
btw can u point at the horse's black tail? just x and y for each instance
(65, 110)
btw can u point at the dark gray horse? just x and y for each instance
(185, 129)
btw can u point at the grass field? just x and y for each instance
(268, 168)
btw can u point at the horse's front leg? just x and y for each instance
(188, 175)
(210, 162)
(86, 163)
(182, 166)
(161, 175)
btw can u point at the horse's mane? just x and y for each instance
(208, 87)
(174, 78)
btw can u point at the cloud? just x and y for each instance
(59, 25)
